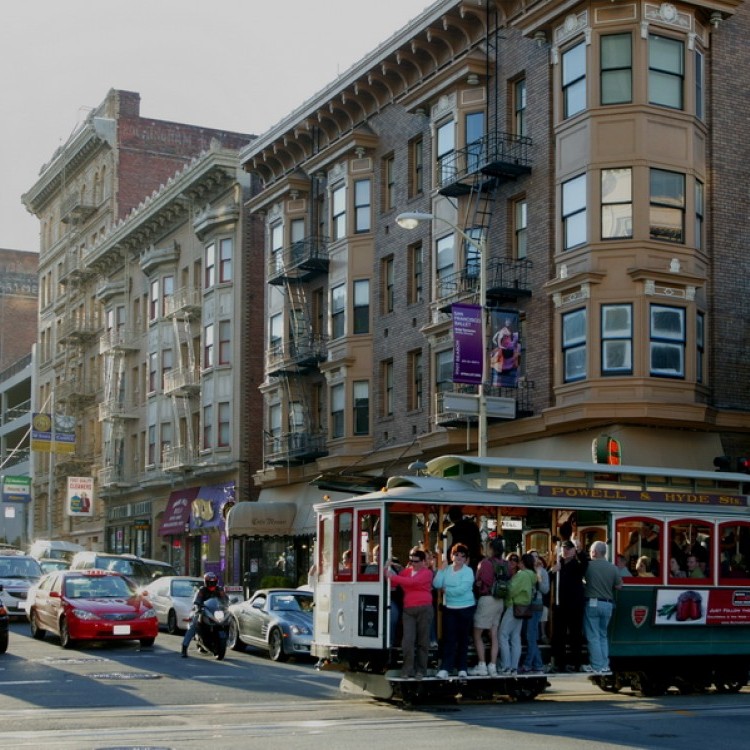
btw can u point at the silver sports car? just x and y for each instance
(279, 621)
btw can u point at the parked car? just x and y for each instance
(18, 572)
(279, 621)
(49, 564)
(4, 627)
(158, 568)
(172, 598)
(128, 565)
(94, 605)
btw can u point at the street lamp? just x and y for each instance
(410, 220)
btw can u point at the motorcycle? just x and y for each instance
(213, 627)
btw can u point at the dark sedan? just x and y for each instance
(279, 621)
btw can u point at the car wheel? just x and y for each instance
(36, 631)
(233, 637)
(276, 645)
(172, 627)
(65, 640)
(147, 642)
(3, 642)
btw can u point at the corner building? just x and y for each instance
(146, 335)
(595, 153)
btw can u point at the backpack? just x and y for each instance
(501, 584)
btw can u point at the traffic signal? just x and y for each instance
(606, 450)
(743, 465)
(723, 463)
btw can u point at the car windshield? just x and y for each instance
(185, 589)
(291, 603)
(133, 568)
(101, 587)
(19, 567)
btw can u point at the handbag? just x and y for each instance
(522, 611)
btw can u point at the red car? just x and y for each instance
(94, 605)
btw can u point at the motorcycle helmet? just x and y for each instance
(211, 580)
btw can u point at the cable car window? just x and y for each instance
(325, 548)
(369, 548)
(638, 541)
(344, 552)
(690, 552)
(734, 553)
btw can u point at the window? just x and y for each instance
(574, 212)
(153, 300)
(699, 198)
(209, 267)
(361, 391)
(519, 107)
(208, 345)
(208, 426)
(638, 548)
(520, 224)
(387, 284)
(153, 359)
(167, 363)
(369, 549)
(574, 80)
(474, 124)
(699, 96)
(445, 146)
(667, 211)
(667, 341)
(416, 167)
(343, 553)
(167, 292)
(337, 411)
(224, 413)
(445, 262)
(388, 388)
(225, 342)
(225, 260)
(691, 551)
(151, 446)
(617, 203)
(297, 237)
(277, 248)
(617, 340)
(338, 213)
(700, 346)
(166, 433)
(389, 192)
(473, 252)
(666, 71)
(444, 371)
(275, 334)
(734, 544)
(617, 69)
(274, 428)
(362, 200)
(574, 346)
(338, 311)
(361, 306)
(415, 380)
(296, 417)
(414, 273)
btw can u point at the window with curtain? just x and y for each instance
(574, 345)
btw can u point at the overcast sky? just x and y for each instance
(234, 64)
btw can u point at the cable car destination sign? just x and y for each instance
(644, 496)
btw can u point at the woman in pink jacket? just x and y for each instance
(416, 582)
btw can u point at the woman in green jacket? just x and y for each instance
(520, 592)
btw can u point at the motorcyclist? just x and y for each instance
(208, 590)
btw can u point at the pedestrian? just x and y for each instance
(567, 613)
(490, 606)
(602, 580)
(415, 581)
(457, 584)
(520, 593)
(533, 661)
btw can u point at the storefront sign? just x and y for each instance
(80, 497)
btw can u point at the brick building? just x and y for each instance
(594, 152)
(145, 334)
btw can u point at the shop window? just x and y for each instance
(369, 549)
(638, 540)
(344, 552)
(690, 551)
(734, 553)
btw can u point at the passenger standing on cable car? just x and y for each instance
(567, 623)
(416, 583)
(464, 531)
(457, 584)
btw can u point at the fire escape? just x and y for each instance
(295, 357)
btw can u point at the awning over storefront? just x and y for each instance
(261, 519)
(177, 513)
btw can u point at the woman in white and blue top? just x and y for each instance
(457, 583)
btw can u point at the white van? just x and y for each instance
(54, 550)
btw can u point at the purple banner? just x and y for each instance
(505, 358)
(467, 344)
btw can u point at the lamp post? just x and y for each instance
(410, 220)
